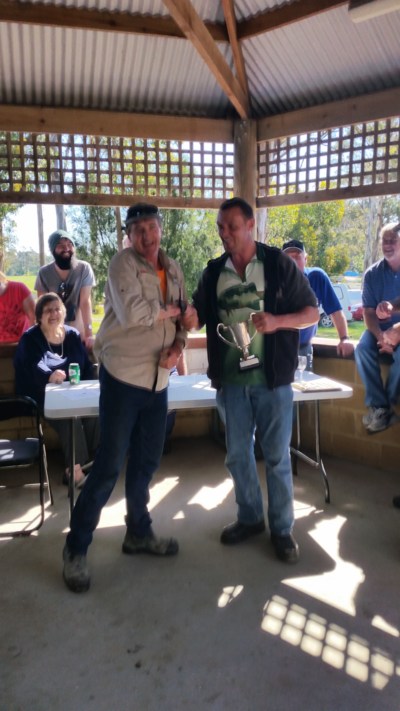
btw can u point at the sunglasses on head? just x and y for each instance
(63, 291)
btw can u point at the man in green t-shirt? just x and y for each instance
(258, 289)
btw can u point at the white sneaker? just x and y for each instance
(379, 420)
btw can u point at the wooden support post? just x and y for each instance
(245, 175)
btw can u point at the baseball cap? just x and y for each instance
(140, 211)
(293, 244)
(56, 237)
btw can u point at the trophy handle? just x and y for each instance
(255, 330)
(226, 328)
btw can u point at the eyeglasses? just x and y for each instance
(64, 291)
(53, 310)
(390, 240)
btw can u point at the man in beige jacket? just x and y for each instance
(139, 341)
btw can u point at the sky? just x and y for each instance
(27, 226)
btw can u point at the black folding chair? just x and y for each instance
(24, 451)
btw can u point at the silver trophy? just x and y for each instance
(241, 340)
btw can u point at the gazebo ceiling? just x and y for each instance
(218, 59)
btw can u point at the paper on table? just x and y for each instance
(315, 385)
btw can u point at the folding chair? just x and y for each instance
(24, 451)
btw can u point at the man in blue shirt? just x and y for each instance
(322, 288)
(381, 294)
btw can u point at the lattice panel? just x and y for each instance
(346, 159)
(108, 166)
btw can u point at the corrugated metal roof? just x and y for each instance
(325, 58)
(322, 58)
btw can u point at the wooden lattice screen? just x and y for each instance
(110, 170)
(350, 161)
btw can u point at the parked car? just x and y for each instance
(343, 293)
(357, 312)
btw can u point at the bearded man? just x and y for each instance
(72, 279)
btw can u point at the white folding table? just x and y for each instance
(70, 402)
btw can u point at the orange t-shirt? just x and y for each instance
(163, 282)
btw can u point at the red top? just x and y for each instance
(13, 319)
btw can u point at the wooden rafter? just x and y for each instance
(194, 29)
(103, 20)
(284, 15)
(231, 25)
(36, 119)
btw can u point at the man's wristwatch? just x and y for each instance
(344, 338)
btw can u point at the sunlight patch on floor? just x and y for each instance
(331, 643)
(338, 587)
(209, 497)
(381, 624)
(228, 594)
(113, 515)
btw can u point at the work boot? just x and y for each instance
(76, 572)
(286, 548)
(149, 544)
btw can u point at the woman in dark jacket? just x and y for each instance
(43, 356)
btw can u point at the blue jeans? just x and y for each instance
(242, 409)
(369, 368)
(132, 422)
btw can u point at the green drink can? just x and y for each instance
(74, 373)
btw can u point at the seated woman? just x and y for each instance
(43, 356)
(17, 309)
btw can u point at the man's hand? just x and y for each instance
(384, 310)
(57, 377)
(391, 337)
(170, 311)
(345, 349)
(169, 357)
(264, 322)
(190, 319)
(384, 347)
(89, 343)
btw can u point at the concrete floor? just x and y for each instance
(214, 628)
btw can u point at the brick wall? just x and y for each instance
(342, 432)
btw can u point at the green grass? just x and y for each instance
(27, 279)
(355, 329)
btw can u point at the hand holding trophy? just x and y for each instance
(241, 340)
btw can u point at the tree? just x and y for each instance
(95, 234)
(7, 232)
(190, 237)
(315, 225)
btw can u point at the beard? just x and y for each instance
(64, 262)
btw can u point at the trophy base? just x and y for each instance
(250, 362)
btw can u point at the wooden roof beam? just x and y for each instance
(101, 20)
(284, 15)
(41, 119)
(195, 30)
(231, 25)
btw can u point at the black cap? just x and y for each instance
(140, 211)
(293, 244)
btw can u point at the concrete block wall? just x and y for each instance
(342, 432)
(21, 426)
